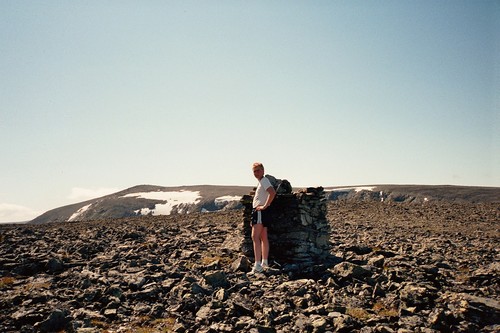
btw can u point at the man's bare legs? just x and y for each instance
(260, 243)
(264, 244)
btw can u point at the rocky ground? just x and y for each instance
(431, 267)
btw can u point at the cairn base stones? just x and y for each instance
(299, 232)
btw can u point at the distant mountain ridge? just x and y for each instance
(416, 193)
(160, 200)
(135, 201)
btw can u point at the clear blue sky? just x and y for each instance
(99, 96)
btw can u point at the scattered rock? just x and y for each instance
(350, 270)
(396, 267)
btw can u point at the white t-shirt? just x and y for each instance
(261, 193)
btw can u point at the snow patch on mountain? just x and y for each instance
(221, 201)
(355, 189)
(172, 199)
(79, 212)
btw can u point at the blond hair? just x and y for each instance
(257, 165)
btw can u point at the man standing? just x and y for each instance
(264, 195)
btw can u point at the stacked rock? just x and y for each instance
(299, 232)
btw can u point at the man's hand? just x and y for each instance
(270, 198)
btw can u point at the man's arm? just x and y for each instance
(270, 197)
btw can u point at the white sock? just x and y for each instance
(264, 262)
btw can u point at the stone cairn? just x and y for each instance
(299, 233)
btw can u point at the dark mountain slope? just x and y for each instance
(160, 200)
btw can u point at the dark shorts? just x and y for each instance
(261, 216)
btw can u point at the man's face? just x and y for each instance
(258, 172)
